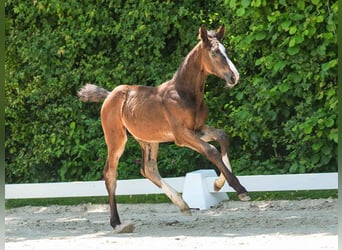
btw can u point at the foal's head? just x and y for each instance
(216, 60)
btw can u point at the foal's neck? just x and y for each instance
(190, 76)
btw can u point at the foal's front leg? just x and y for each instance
(212, 134)
(191, 139)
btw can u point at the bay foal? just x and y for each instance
(171, 112)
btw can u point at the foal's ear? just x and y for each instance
(220, 32)
(203, 35)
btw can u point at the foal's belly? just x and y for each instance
(153, 130)
(144, 118)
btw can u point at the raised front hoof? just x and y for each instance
(125, 228)
(244, 197)
(216, 187)
(218, 184)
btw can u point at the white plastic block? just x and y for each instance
(196, 191)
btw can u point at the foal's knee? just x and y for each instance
(223, 137)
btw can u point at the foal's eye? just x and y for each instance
(214, 53)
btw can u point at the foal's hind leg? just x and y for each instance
(115, 137)
(115, 150)
(149, 170)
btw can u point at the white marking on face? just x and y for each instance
(230, 64)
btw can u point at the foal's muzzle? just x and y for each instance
(231, 79)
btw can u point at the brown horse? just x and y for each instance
(171, 112)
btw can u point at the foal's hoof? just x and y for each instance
(216, 188)
(186, 212)
(124, 228)
(244, 197)
(218, 184)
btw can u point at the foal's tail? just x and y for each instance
(92, 93)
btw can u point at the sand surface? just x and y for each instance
(305, 224)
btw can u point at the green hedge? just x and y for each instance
(281, 117)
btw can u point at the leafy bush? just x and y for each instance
(281, 117)
(285, 113)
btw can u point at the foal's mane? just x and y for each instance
(192, 56)
(184, 66)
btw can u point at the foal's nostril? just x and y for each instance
(233, 78)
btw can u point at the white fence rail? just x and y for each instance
(143, 186)
(285, 182)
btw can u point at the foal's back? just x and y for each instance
(141, 110)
